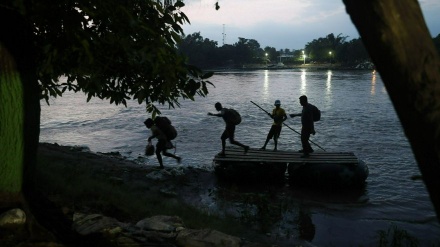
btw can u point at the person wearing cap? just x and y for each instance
(279, 116)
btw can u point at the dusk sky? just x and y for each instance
(281, 23)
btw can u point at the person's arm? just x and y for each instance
(220, 114)
(154, 133)
(271, 115)
(295, 115)
(284, 118)
(151, 137)
(213, 114)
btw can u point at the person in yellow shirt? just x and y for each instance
(279, 116)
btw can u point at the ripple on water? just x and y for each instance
(357, 116)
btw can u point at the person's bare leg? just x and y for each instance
(172, 156)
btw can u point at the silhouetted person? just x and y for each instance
(307, 126)
(162, 142)
(229, 132)
(279, 116)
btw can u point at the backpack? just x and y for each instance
(164, 124)
(232, 116)
(316, 113)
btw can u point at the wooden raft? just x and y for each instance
(234, 154)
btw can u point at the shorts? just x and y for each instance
(229, 132)
(274, 132)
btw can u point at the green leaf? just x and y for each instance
(115, 50)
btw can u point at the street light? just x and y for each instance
(266, 59)
(330, 55)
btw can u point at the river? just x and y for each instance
(357, 116)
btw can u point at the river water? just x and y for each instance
(357, 116)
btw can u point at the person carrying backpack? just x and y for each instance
(308, 126)
(162, 142)
(231, 118)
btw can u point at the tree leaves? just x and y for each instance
(114, 50)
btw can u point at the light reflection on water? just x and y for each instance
(357, 116)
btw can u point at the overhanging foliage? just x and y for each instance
(112, 49)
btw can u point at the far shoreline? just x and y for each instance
(251, 67)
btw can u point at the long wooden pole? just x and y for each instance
(287, 126)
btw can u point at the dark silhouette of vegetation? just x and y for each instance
(122, 50)
(118, 53)
(404, 54)
(325, 49)
(115, 50)
(205, 53)
(437, 43)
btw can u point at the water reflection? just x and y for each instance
(266, 84)
(283, 211)
(303, 82)
(306, 228)
(373, 83)
(328, 86)
(353, 122)
(329, 82)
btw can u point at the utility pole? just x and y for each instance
(224, 34)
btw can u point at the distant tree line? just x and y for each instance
(206, 53)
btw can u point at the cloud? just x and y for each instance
(280, 23)
(245, 13)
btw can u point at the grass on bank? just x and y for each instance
(76, 188)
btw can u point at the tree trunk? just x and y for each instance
(19, 113)
(399, 43)
(12, 113)
(19, 132)
(11, 127)
(19, 104)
